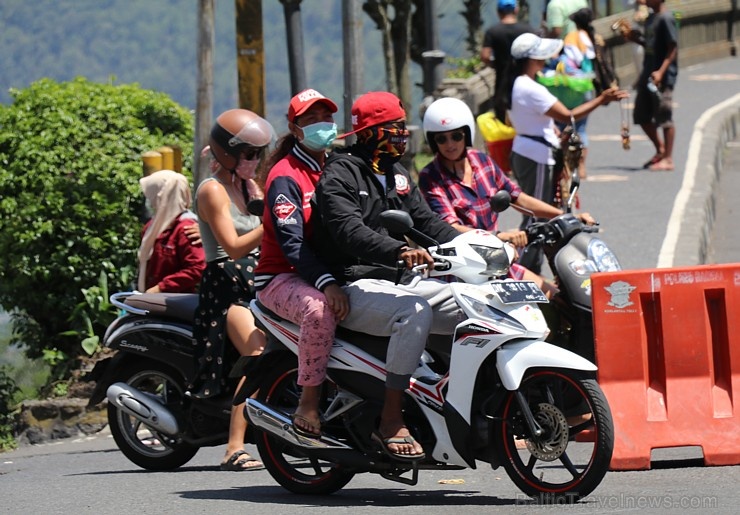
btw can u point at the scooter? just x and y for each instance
(497, 394)
(153, 421)
(573, 251)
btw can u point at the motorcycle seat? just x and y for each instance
(377, 346)
(180, 306)
(268, 311)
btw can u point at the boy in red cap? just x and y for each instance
(289, 278)
(358, 184)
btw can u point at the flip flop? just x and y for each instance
(384, 442)
(661, 166)
(315, 433)
(238, 460)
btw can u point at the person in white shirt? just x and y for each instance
(533, 112)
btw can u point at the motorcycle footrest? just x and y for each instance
(397, 475)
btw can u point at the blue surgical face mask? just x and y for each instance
(319, 136)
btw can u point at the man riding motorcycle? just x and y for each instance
(357, 185)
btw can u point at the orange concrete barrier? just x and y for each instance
(668, 351)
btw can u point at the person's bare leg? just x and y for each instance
(237, 429)
(651, 131)
(307, 413)
(582, 164)
(669, 134)
(249, 341)
(665, 163)
(242, 332)
(393, 426)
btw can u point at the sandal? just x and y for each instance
(314, 431)
(239, 461)
(384, 442)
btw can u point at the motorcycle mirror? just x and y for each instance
(400, 222)
(256, 207)
(500, 201)
(396, 221)
(575, 182)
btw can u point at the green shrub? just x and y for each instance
(8, 389)
(464, 67)
(70, 202)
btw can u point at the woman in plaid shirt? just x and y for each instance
(460, 180)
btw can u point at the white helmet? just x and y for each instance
(447, 114)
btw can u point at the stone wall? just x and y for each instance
(41, 421)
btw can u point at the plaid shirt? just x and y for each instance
(456, 203)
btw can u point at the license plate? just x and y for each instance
(513, 292)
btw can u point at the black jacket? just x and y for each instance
(349, 199)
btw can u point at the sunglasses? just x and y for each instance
(396, 129)
(441, 139)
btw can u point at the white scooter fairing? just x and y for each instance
(497, 392)
(514, 330)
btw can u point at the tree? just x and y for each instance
(70, 202)
(393, 19)
(474, 23)
(404, 35)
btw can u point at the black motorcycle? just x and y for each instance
(154, 422)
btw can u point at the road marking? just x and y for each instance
(715, 76)
(615, 137)
(668, 249)
(607, 178)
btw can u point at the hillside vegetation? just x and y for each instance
(153, 43)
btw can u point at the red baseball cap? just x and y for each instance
(301, 102)
(375, 108)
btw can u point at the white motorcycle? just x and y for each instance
(494, 393)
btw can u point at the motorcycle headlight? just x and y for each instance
(604, 258)
(497, 260)
(583, 267)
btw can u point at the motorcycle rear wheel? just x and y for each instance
(572, 456)
(291, 468)
(146, 447)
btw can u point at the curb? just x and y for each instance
(698, 217)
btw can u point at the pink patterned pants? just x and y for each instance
(294, 299)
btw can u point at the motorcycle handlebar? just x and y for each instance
(555, 228)
(418, 269)
(400, 267)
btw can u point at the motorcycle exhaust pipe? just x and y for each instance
(278, 424)
(142, 406)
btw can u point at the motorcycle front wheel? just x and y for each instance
(142, 445)
(572, 455)
(291, 468)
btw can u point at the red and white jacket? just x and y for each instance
(288, 227)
